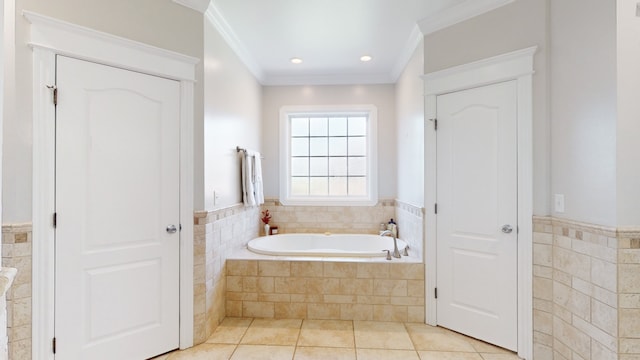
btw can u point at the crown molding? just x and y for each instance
(197, 5)
(459, 13)
(406, 53)
(214, 16)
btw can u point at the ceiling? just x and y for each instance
(329, 36)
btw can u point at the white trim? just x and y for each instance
(51, 37)
(83, 43)
(3, 66)
(218, 21)
(430, 199)
(525, 213)
(482, 72)
(406, 53)
(518, 66)
(459, 13)
(372, 155)
(43, 204)
(186, 214)
(197, 5)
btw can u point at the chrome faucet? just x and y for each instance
(396, 252)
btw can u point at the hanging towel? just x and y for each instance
(257, 176)
(252, 191)
(248, 196)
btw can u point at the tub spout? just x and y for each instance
(396, 252)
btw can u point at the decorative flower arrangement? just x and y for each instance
(266, 217)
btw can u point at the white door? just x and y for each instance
(477, 213)
(117, 191)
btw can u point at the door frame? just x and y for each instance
(518, 66)
(51, 37)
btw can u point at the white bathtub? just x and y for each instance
(350, 245)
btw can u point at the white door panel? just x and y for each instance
(477, 195)
(117, 189)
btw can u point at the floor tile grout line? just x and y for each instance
(240, 340)
(295, 348)
(245, 331)
(233, 352)
(415, 348)
(353, 335)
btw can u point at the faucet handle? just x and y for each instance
(388, 254)
(405, 252)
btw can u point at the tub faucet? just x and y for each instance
(396, 252)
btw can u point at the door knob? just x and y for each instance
(171, 229)
(507, 229)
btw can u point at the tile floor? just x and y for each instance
(241, 338)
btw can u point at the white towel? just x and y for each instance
(252, 191)
(257, 177)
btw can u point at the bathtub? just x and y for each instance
(334, 245)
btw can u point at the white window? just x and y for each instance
(328, 155)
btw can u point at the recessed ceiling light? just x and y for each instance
(365, 58)
(296, 60)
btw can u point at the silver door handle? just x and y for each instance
(171, 229)
(507, 229)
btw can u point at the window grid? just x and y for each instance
(347, 155)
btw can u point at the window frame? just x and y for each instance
(371, 198)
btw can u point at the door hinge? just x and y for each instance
(435, 208)
(54, 93)
(435, 293)
(53, 343)
(55, 220)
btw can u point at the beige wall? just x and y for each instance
(232, 111)
(628, 132)
(583, 108)
(515, 26)
(382, 96)
(410, 130)
(159, 23)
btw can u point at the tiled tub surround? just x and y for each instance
(17, 253)
(323, 289)
(217, 234)
(410, 221)
(335, 219)
(351, 220)
(586, 291)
